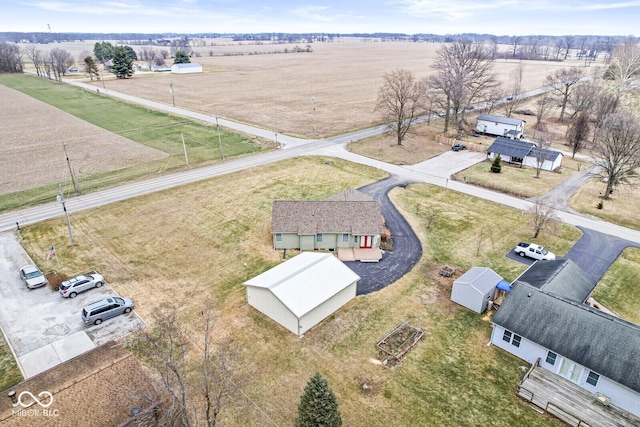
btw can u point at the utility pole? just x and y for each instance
(184, 147)
(313, 101)
(173, 98)
(219, 139)
(74, 179)
(60, 199)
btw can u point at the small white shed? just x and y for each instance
(301, 292)
(500, 126)
(192, 67)
(475, 288)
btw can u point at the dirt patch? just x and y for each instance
(393, 347)
(36, 135)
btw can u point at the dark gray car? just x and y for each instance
(98, 311)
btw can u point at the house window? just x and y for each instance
(551, 358)
(511, 338)
(278, 237)
(318, 238)
(345, 238)
(516, 340)
(593, 378)
(355, 240)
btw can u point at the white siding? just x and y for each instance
(265, 302)
(318, 314)
(620, 395)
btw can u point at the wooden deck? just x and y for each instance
(572, 404)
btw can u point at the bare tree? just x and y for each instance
(541, 215)
(35, 56)
(515, 96)
(10, 58)
(625, 64)
(515, 42)
(463, 75)
(617, 151)
(541, 153)
(400, 101)
(605, 104)
(195, 380)
(480, 238)
(148, 55)
(543, 104)
(568, 43)
(563, 82)
(578, 132)
(60, 60)
(583, 96)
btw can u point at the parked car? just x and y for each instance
(32, 276)
(72, 287)
(458, 147)
(106, 308)
(534, 251)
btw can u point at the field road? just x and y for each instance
(433, 171)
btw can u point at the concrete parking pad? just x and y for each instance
(42, 328)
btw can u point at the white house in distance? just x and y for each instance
(500, 126)
(192, 67)
(475, 288)
(524, 153)
(302, 291)
(595, 355)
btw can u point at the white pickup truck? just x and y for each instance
(534, 251)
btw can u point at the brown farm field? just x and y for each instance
(36, 134)
(276, 91)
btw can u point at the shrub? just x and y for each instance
(496, 166)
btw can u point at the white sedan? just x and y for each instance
(72, 287)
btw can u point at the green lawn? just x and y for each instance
(619, 289)
(9, 372)
(148, 127)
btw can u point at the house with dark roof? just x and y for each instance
(500, 126)
(544, 320)
(524, 153)
(350, 222)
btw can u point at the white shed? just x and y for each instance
(475, 288)
(301, 292)
(192, 67)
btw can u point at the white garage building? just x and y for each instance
(188, 68)
(301, 292)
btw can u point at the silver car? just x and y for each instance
(72, 287)
(98, 311)
(32, 276)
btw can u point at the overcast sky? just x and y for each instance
(498, 17)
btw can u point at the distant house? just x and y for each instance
(475, 288)
(500, 126)
(524, 153)
(302, 291)
(350, 222)
(544, 320)
(192, 67)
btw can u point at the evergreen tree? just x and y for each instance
(318, 405)
(181, 57)
(103, 51)
(122, 63)
(132, 53)
(91, 68)
(496, 166)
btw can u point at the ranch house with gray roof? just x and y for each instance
(544, 320)
(349, 222)
(524, 153)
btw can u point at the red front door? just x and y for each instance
(366, 241)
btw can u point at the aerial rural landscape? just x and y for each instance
(313, 228)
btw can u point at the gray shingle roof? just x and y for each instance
(603, 343)
(561, 277)
(510, 147)
(350, 194)
(500, 119)
(359, 216)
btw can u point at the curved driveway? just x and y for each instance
(407, 249)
